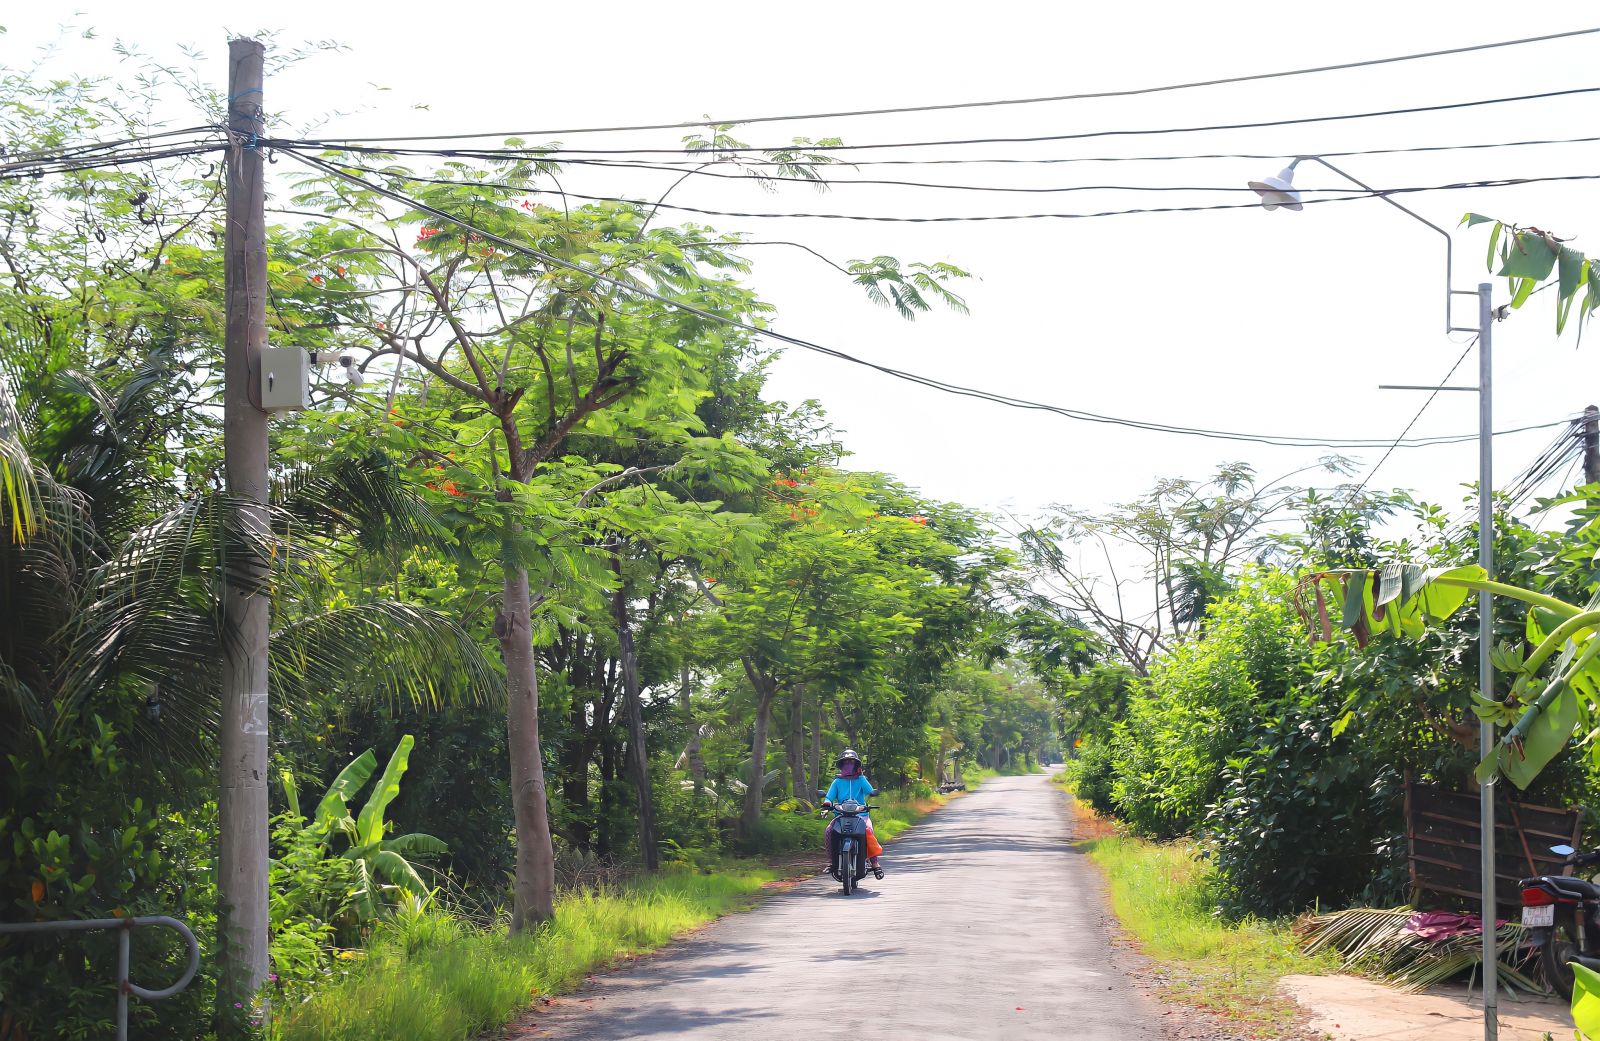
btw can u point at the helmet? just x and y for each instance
(848, 753)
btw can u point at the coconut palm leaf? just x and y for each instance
(364, 497)
(384, 649)
(1376, 942)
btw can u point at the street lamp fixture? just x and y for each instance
(1279, 192)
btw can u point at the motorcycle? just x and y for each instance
(849, 865)
(1562, 916)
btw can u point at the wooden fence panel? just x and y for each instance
(1442, 835)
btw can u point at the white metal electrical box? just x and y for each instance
(285, 379)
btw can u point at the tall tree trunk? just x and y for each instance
(816, 754)
(944, 751)
(604, 846)
(766, 689)
(846, 724)
(691, 751)
(797, 743)
(633, 703)
(533, 891)
(575, 758)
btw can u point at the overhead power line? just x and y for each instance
(819, 180)
(911, 377)
(1033, 139)
(101, 163)
(104, 154)
(1431, 396)
(1350, 195)
(64, 151)
(999, 160)
(950, 106)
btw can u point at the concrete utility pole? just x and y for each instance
(1591, 445)
(242, 802)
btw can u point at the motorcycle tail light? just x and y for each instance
(1533, 897)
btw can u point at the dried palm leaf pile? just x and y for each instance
(1386, 946)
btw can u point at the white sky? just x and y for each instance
(1244, 320)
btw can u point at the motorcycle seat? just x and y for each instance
(1573, 887)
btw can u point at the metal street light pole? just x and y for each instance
(1279, 191)
(1491, 971)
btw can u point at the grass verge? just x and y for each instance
(430, 977)
(1160, 894)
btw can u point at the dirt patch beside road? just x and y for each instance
(1349, 1008)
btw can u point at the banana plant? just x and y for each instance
(1556, 685)
(382, 865)
(1586, 1001)
(1529, 256)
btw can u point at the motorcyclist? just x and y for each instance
(851, 784)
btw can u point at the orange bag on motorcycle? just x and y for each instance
(873, 848)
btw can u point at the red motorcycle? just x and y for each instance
(1562, 916)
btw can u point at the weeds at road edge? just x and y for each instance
(1161, 896)
(430, 977)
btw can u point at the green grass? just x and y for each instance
(430, 977)
(894, 814)
(1160, 894)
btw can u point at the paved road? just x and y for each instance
(989, 926)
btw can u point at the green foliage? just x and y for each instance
(1200, 701)
(1302, 814)
(780, 831)
(1527, 258)
(1093, 774)
(75, 842)
(380, 866)
(1586, 1000)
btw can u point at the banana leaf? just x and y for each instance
(369, 824)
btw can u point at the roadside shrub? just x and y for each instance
(1302, 817)
(1201, 702)
(780, 831)
(1093, 774)
(80, 843)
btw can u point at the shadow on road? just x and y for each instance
(830, 957)
(661, 1020)
(725, 960)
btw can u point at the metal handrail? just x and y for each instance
(124, 928)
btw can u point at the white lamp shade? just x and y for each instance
(1278, 190)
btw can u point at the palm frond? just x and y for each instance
(366, 497)
(20, 501)
(1376, 942)
(381, 650)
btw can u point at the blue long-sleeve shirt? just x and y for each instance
(842, 788)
